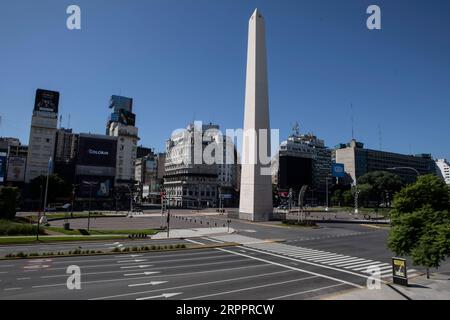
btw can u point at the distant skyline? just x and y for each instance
(184, 60)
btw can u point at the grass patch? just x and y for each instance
(100, 232)
(47, 239)
(11, 228)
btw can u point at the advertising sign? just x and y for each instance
(16, 169)
(97, 187)
(127, 118)
(338, 170)
(46, 100)
(2, 167)
(97, 152)
(399, 271)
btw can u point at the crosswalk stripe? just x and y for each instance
(360, 264)
(346, 261)
(344, 264)
(325, 260)
(371, 265)
(317, 256)
(357, 263)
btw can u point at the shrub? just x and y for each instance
(10, 228)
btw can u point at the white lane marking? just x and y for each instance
(152, 283)
(160, 261)
(213, 240)
(195, 242)
(11, 289)
(2, 272)
(164, 295)
(146, 273)
(307, 291)
(165, 268)
(146, 277)
(140, 266)
(7, 266)
(313, 264)
(249, 288)
(290, 267)
(131, 256)
(191, 285)
(132, 260)
(24, 278)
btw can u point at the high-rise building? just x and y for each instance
(121, 124)
(190, 180)
(41, 144)
(443, 169)
(358, 161)
(13, 158)
(95, 168)
(256, 188)
(148, 178)
(303, 160)
(65, 146)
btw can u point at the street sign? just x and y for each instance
(338, 170)
(399, 271)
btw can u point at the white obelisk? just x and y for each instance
(256, 183)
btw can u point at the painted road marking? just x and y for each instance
(152, 283)
(146, 277)
(146, 273)
(195, 242)
(190, 285)
(164, 295)
(249, 288)
(289, 267)
(140, 266)
(308, 291)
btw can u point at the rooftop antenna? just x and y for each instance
(296, 129)
(353, 122)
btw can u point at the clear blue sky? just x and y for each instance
(180, 58)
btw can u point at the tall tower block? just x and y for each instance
(256, 185)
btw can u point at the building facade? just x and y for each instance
(358, 161)
(303, 160)
(41, 144)
(443, 170)
(121, 124)
(149, 180)
(189, 180)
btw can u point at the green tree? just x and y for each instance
(421, 222)
(336, 198)
(8, 202)
(57, 187)
(348, 198)
(383, 186)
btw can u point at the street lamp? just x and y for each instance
(405, 168)
(90, 184)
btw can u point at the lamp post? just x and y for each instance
(49, 168)
(39, 212)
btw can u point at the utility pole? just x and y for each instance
(326, 187)
(39, 213)
(90, 198)
(49, 168)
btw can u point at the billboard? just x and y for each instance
(338, 170)
(47, 101)
(16, 169)
(97, 187)
(2, 167)
(127, 118)
(94, 151)
(121, 103)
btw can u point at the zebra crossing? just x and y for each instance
(345, 262)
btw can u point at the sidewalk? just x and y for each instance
(420, 288)
(192, 233)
